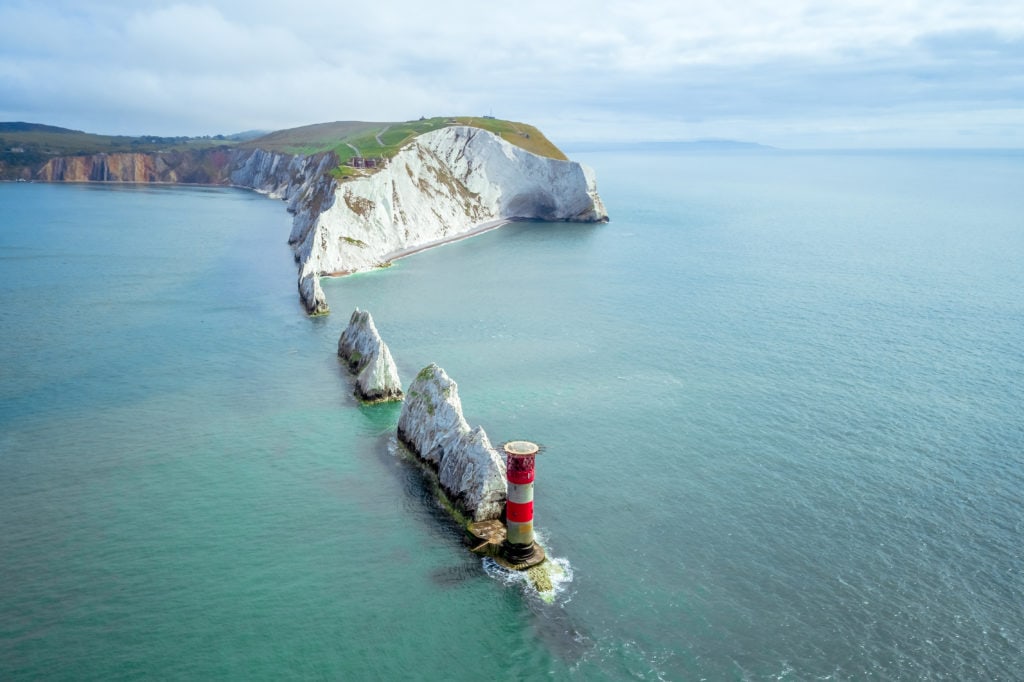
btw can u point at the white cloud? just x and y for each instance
(206, 67)
(198, 39)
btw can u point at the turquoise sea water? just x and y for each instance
(782, 399)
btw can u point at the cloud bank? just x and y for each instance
(789, 73)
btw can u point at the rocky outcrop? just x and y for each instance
(204, 167)
(303, 180)
(306, 184)
(470, 471)
(368, 357)
(442, 184)
(312, 294)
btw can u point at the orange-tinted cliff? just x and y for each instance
(206, 166)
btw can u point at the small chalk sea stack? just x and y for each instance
(369, 359)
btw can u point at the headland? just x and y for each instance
(361, 194)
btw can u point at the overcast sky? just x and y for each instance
(857, 73)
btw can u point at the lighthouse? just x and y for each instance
(519, 546)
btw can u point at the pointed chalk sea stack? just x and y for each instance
(378, 381)
(312, 295)
(369, 358)
(470, 471)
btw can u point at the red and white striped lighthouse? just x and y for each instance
(519, 544)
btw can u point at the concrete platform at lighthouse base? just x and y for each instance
(487, 537)
(536, 558)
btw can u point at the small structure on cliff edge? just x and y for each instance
(368, 357)
(469, 470)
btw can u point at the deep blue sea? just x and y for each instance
(781, 396)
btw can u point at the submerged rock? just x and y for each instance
(369, 358)
(470, 471)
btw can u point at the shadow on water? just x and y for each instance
(558, 630)
(545, 229)
(551, 621)
(448, 577)
(159, 189)
(382, 417)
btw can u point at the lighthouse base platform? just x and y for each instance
(535, 558)
(487, 537)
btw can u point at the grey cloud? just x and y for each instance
(574, 67)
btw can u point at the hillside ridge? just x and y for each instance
(26, 148)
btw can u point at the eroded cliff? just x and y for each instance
(276, 174)
(204, 166)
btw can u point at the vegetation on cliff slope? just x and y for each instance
(67, 142)
(26, 147)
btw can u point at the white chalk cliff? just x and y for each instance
(471, 472)
(306, 184)
(369, 358)
(440, 185)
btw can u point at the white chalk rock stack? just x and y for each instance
(471, 472)
(312, 294)
(369, 358)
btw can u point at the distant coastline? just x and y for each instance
(669, 145)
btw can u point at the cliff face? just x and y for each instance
(469, 469)
(441, 185)
(301, 180)
(204, 166)
(278, 175)
(306, 184)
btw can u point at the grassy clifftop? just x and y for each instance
(385, 139)
(66, 142)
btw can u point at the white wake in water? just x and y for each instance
(555, 572)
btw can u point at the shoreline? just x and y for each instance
(392, 256)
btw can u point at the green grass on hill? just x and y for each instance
(320, 137)
(385, 139)
(26, 147)
(519, 134)
(53, 141)
(30, 145)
